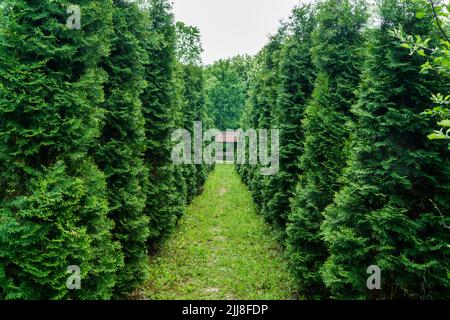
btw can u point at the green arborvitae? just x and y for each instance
(397, 184)
(189, 48)
(263, 99)
(122, 144)
(296, 76)
(335, 53)
(164, 202)
(248, 117)
(195, 103)
(182, 172)
(53, 200)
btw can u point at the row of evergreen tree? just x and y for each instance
(86, 118)
(359, 183)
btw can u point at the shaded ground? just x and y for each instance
(222, 250)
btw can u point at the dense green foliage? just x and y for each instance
(438, 59)
(86, 123)
(53, 208)
(370, 189)
(164, 203)
(122, 143)
(296, 76)
(193, 100)
(336, 56)
(86, 118)
(227, 84)
(262, 102)
(385, 214)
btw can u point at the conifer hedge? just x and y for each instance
(335, 53)
(122, 144)
(158, 108)
(296, 76)
(53, 207)
(396, 181)
(86, 116)
(360, 185)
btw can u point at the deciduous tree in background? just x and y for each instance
(226, 88)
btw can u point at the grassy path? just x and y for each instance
(222, 250)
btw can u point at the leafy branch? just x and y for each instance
(438, 21)
(438, 60)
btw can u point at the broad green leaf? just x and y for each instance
(405, 45)
(444, 123)
(437, 136)
(420, 15)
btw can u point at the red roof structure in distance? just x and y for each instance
(227, 137)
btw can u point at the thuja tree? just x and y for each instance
(53, 200)
(189, 51)
(249, 117)
(183, 173)
(296, 77)
(391, 211)
(263, 99)
(194, 111)
(335, 53)
(122, 143)
(164, 201)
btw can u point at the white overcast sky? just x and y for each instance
(231, 27)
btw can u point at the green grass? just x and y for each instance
(221, 250)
